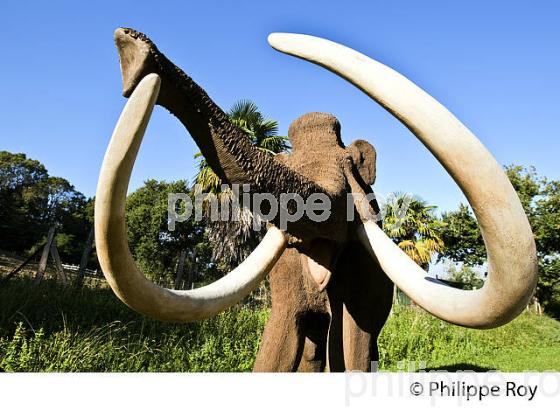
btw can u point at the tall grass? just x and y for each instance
(50, 328)
(413, 339)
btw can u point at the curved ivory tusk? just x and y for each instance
(128, 283)
(512, 267)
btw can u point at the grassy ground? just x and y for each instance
(50, 328)
(414, 338)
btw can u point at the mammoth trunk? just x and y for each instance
(227, 149)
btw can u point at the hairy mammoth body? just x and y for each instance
(327, 298)
(309, 328)
(331, 280)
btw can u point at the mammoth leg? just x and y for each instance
(361, 297)
(316, 326)
(335, 350)
(283, 338)
(282, 344)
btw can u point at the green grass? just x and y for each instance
(414, 338)
(55, 329)
(50, 328)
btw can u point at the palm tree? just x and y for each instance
(262, 131)
(412, 224)
(234, 240)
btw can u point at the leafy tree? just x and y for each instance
(546, 227)
(23, 199)
(464, 277)
(233, 240)
(416, 230)
(67, 210)
(526, 183)
(462, 238)
(548, 289)
(546, 218)
(541, 200)
(156, 249)
(31, 201)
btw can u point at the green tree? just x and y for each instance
(31, 201)
(412, 224)
(546, 227)
(541, 200)
(67, 210)
(527, 184)
(234, 240)
(464, 277)
(155, 248)
(462, 238)
(23, 201)
(545, 218)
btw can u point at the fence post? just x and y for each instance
(85, 259)
(193, 270)
(44, 257)
(58, 265)
(21, 266)
(180, 269)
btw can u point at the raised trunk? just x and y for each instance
(227, 149)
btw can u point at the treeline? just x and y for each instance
(31, 201)
(156, 249)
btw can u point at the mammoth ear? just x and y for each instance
(364, 156)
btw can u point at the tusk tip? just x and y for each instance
(152, 79)
(297, 45)
(282, 41)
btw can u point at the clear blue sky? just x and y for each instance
(496, 65)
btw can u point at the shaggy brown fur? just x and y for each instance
(329, 298)
(311, 326)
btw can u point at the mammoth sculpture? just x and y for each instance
(331, 281)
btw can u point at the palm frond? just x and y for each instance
(416, 231)
(275, 144)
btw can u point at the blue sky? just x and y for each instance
(495, 65)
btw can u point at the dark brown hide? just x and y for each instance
(344, 319)
(360, 297)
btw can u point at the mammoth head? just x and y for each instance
(316, 139)
(318, 164)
